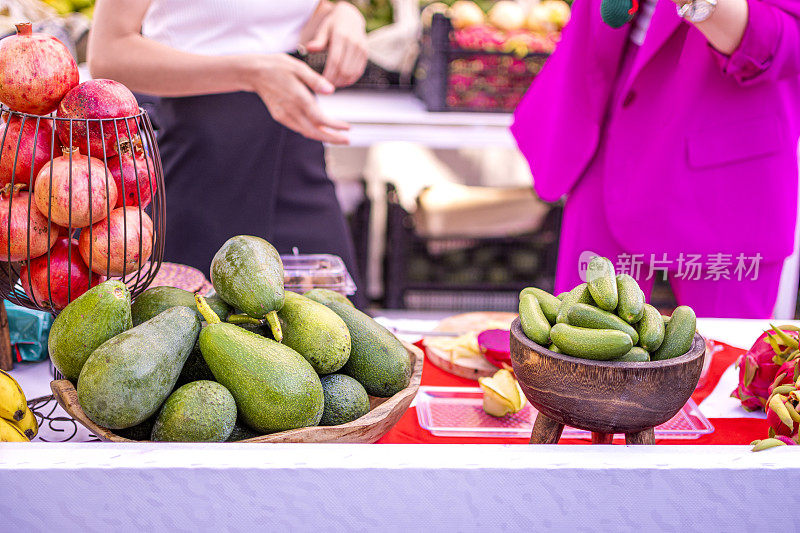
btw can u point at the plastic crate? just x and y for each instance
(452, 78)
(375, 78)
(465, 273)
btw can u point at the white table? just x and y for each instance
(152, 487)
(398, 116)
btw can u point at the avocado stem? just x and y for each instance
(205, 310)
(245, 319)
(274, 325)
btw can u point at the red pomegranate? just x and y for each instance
(135, 170)
(36, 71)
(30, 144)
(97, 99)
(68, 276)
(130, 228)
(70, 192)
(18, 208)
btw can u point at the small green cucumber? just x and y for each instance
(586, 343)
(631, 299)
(651, 329)
(636, 355)
(549, 303)
(588, 316)
(579, 294)
(554, 348)
(602, 281)
(678, 334)
(533, 321)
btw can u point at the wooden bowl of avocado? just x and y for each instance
(383, 415)
(604, 397)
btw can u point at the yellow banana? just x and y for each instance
(12, 399)
(28, 425)
(9, 432)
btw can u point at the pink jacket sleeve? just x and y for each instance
(770, 47)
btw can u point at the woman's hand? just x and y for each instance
(285, 84)
(342, 34)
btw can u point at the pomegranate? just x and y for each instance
(139, 183)
(31, 146)
(68, 276)
(89, 198)
(16, 208)
(129, 228)
(36, 71)
(97, 99)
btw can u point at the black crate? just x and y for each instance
(465, 273)
(451, 78)
(375, 78)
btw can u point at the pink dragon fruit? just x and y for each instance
(783, 417)
(788, 373)
(759, 367)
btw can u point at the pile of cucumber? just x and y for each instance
(605, 319)
(254, 359)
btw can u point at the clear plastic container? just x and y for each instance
(316, 271)
(458, 412)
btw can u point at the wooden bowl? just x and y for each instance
(604, 396)
(384, 413)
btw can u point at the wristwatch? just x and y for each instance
(697, 10)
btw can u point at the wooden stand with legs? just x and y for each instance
(548, 431)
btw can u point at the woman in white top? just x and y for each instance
(240, 131)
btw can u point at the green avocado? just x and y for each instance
(97, 315)
(128, 377)
(241, 432)
(315, 332)
(345, 400)
(200, 411)
(323, 295)
(247, 273)
(275, 388)
(156, 300)
(378, 360)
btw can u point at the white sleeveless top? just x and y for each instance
(225, 27)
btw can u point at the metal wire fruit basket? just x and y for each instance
(81, 201)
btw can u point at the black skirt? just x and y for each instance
(231, 169)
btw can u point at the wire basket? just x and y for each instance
(95, 211)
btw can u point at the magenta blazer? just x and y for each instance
(701, 148)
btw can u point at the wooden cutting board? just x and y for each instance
(469, 367)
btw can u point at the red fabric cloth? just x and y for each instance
(726, 430)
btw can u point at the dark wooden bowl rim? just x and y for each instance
(693, 353)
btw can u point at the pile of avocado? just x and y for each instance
(251, 360)
(606, 319)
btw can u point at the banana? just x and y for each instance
(12, 399)
(9, 432)
(28, 425)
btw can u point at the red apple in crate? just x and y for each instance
(30, 144)
(134, 170)
(18, 209)
(36, 71)
(97, 99)
(130, 229)
(68, 276)
(75, 190)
